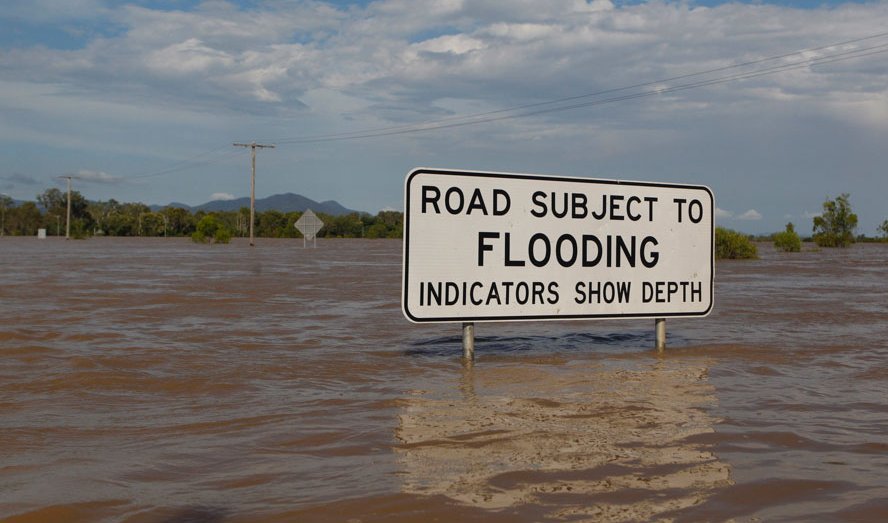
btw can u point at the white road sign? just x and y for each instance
(481, 246)
(309, 224)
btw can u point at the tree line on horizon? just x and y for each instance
(834, 227)
(113, 218)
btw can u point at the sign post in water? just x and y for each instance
(481, 246)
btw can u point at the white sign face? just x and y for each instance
(495, 247)
(309, 224)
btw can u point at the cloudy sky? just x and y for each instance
(775, 105)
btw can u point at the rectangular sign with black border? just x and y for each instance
(486, 246)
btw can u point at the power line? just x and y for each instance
(565, 104)
(190, 163)
(520, 111)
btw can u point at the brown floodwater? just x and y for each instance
(156, 380)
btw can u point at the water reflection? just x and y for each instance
(585, 438)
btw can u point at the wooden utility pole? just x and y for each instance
(68, 221)
(253, 146)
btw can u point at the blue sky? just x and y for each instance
(142, 100)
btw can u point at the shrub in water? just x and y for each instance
(210, 229)
(222, 235)
(733, 245)
(788, 240)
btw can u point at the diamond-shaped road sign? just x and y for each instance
(309, 225)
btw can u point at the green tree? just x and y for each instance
(152, 224)
(376, 230)
(788, 240)
(733, 245)
(6, 203)
(222, 234)
(23, 220)
(54, 205)
(242, 222)
(343, 226)
(227, 219)
(291, 231)
(55, 202)
(211, 230)
(179, 221)
(396, 228)
(883, 229)
(392, 223)
(835, 226)
(99, 212)
(124, 219)
(52, 200)
(271, 224)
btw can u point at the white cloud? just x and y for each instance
(96, 176)
(161, 86)
(216, 196)
(190, 56)
(723, 214)
(559, 48)
(750, 215)
(454, 44)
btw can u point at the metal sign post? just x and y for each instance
(468, 341)
(660, 330)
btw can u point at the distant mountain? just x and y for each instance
(288, 202)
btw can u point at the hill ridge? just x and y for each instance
(285, 202)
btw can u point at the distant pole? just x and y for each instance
(68, 221)
(3, 216)
(660, 327)
(253, 146)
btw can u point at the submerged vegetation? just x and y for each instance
(835, 227)
(210, 230)
(732, 245)
(788, 240)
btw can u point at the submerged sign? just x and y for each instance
(482, 246)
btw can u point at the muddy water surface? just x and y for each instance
(163, 381)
